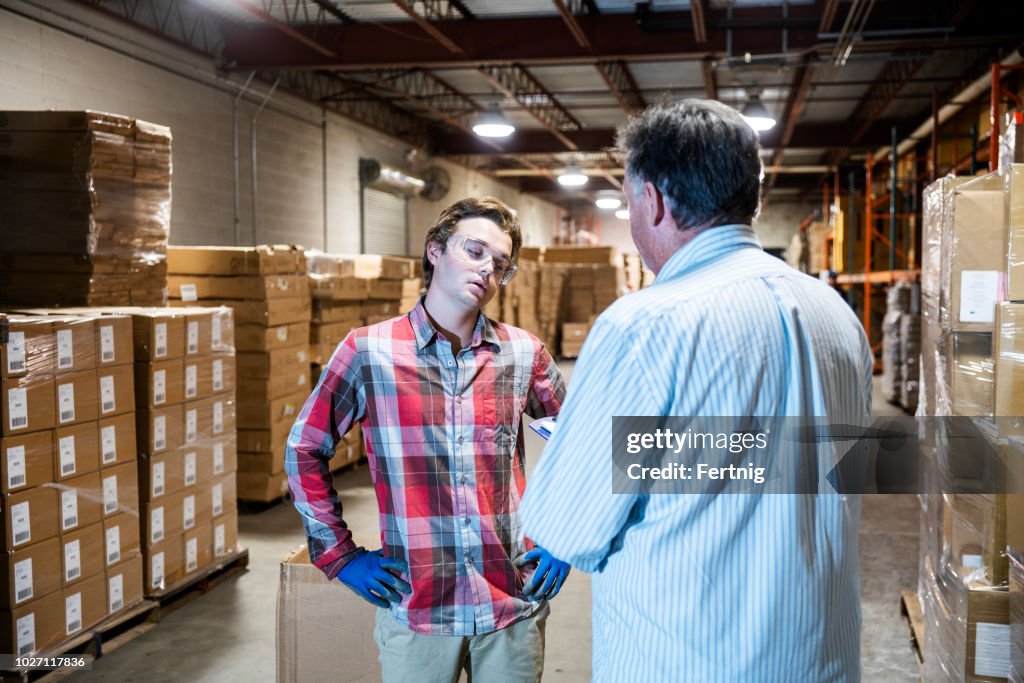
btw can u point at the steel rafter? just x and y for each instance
(265, 14)
(196, 31)
(429, 93)
(798, 91)
(893, 77)
(516, 82)
(700, 32)
(424, 12)
(707, 67)
(622, 84)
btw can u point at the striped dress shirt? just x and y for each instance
(731, 588)
(445, 447)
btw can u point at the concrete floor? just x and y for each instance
(228, 634)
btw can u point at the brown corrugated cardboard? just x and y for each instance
(331, 288)
(76, 450)
(33, 627)
(1016, 620)
(198, 547)
(198, 331)
(281, 384)
(978, 253)
(116, 389)
(195, 508)
(191, 456)
(30, 348)
(385, 289)
(121, 541)
(120, 489)
(29, 516)
(261, 487)
(161, 519)
(260, 440)
(333, 311)
(267, 462)
(164, 565)
(978, 535)
(26, 460)
(198, 379)
(117, 440)
(271, 363)
(260, 415)
(988, 645)
(159, 384)
(78, 398)
(27, 573)
(192, 288)
(1008, 355)
(261, 260)
(971, 373)
(1013, 177)
(28, 404)
(223, 415)
(161, 475)
(222, 374)
(160, 429)
(269, 313)
(114, 344)
(82, 554)
(225, 533)
(124, 585)
(567, 254)
(223, 493)
(262, 338)
(158, 334)
(1015, 521)
(85, 604)
(81, 502)
(223, 456)
(75, 343)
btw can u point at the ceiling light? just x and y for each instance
(757, 115)
(622, 214)
(493, 124)
(608, 200)
(572, 177)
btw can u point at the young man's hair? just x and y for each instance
(701, 155)
(490, 208)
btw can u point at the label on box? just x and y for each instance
(191, 425)
(65, 350)
(193, 337)
(27, 634)
(157, 567)
(191, 554)
(188, 293)
(73, 613)
(17, 403)
(66, 402)
(218, 375)
(21, 528)
(190, 469)
(113, 545)
(16, 352)
(992, 650)
(216, 331)
(16, 471)
(110, 494)
(107, 344)
(72, 560)
(218, 417)
(302, 356)
(158, 479)
(282, 284)
(282, 333)
(159, 386)
(69, 509)
(159, 433)
(67, 456)
(219, 546)
(22, 580)
(189, 511)
(218, 458)
(979, 292)
(156, 524)
(161, 340)
(191, 381)
(115, 593)
(301, 379)
(108, 444)
(218, 499)
(108, 403)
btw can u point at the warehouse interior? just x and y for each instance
(306, 146)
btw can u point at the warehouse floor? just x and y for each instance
(228, 634)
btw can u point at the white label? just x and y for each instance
(992, 650)
(302, 356)
(113, 545)
(108, 444)
(157, 566)
(979, 291)
(115, 593)
(189, 511)
(20, 524)
(107, 344)
(27, 634)
(158, 479)
(219, 547)
(282, 333)
(108, 402)
(22, 580)
(72, 560)
(216, 331)
(159, 386)
(191, 554)
(193, 337)
(301, 380)
(218, 499)
(218, 458)
(65, 350)
(968, 561)
(156, 524)
(66, 402)
(188, 293)
(159, 433)
(161, 340)
(218, 417)
(17, 402)
(110, 494)
(191, 381)
(73, 613)
(191, 425)
(67, 456)
(282, 284)
(218, 375)
(68, 509)
(16, 471)
(16, 352)
(190, 469)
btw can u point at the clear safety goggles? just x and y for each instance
(478, 253)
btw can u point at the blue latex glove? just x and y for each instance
(371, 576)
(549, 576)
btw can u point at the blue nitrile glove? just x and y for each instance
(370, 575)
(549, 576)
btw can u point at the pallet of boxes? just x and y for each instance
(267, 289)
(591, 280)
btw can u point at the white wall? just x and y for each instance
(59, 55)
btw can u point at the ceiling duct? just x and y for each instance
(433, 186)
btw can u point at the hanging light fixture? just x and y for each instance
(622, 214)
(493, 124)
(572, 177)
(757, 115)
(608, 200)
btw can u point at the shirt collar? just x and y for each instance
(709, 245)
(426, 333)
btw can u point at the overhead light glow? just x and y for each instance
(757, 115)
(608, 202)
(572, 177)
(493, 124)
(622, 214)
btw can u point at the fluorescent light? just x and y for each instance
(757, 115)
(608, 200)
(493, 124)
(622, 214)
(572, 177)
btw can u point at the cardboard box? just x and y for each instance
(192, 288)
(222, 374)
(261, 440)
(572, 254)
(261, 260)
(272, 363)
(225, 533)
(261, 487)
(76, 450)
(223, 415)
(158, 334)
(222, 330)
(977, 536)
(223, 456)
(198, 548)
(334, 311)
(978, 253)
(223, 492)
(161, 520)
(26, 461)
(190, 466)
(268, 313)
(267, 462)
(159, 384)
(120, 489)
(971, 373)
(85, 604)
(1016, 621)
(280, 411)
(28, 573)
(30, 348)
(77, 398)
(988, 644)
(121, 542)
(164, 565)
(28, 404)
(198, 331)
(195, 508)
(281, 384)
(1009, 360)
(114, 341)
(1013, 179)
(33, 627)
(75, 343)
(261, 338)
(160, 430)
(198, 378)
(82, 553)
(332, 288)
(29, 516)
(116, 389)
(160, 475)
(116, 440)
(385, 267)
(81, 502)
(124, 586)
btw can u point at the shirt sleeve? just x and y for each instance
(547, 388)
(573, 479)
(336, 402)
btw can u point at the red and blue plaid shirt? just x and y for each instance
(444, 440)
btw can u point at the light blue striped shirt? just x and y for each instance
(730, 588)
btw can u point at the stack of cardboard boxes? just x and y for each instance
(268, 291)
(898, 304)
(87, 198)
(68, 479)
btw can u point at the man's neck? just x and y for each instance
(456, 325)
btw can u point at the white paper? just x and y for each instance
(66, 403)
(191, 554)
(189, 511)
(108, 402)
(27, 634)
(15, 352)
(68, 509)
(218, 375)
(193, 337)
(979, 292)
(156, 524)
(67, 455)
(992, 650)
(72, 560)
(113, 545)
(73, 613)
(159, 387)
(545, 427)
(65, 350)
(191, 381)
(115, 593)
(161, 340)
(191, 425)
(157, 566)
(218, 540)
(17, 402)
(216, 331)
(218, 458)
(107, 344)
(218, 499)
(110, 494)
(108, 444)
(190, 469)
(16, 471)
(21, 525)
(188, 293)
(23, 589)
(159, 433)
(158, 479)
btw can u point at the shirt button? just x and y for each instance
(462, 479)
(469, 562)
(451, 363)
(466, 521)
(460, 440)
(458, 399)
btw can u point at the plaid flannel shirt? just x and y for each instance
(444, 441)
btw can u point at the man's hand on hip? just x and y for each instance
(374, 577)
(548, 577)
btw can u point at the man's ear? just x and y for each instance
(656, 203)
(433, 252)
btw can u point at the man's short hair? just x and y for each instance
(701, 155)
(490, 208)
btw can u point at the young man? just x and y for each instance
(440, 393)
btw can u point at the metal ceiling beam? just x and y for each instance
(570, 10)
(518, 83)
(336, 12)
(432, 10)
(828, 15)
(798, 91)
(622, 85)
(283, 27)
(700, 31)
(170, 21)
(707, 67)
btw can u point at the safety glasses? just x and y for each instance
(476, 252)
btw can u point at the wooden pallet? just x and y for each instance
(177, 595)
(910, 609)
